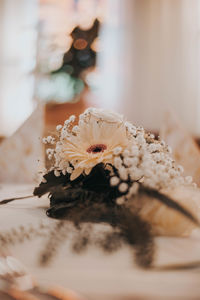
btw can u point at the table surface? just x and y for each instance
(93, 273)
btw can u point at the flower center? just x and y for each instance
(97, 148)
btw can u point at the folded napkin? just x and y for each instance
(21, 155)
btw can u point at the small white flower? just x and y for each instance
(67, 122)
(188, 179)
(149, 173)
(169, 149)
(140, 139)
(157, 156)
(117, 150)
(128, 161)
(123, 187)
(117, 162)
(163, 143)
(75, 129)
(49, 139)
(69, 170)
(58, 127)
(131, 128)
(120, 200)
(136, 173)
(134, 161)
(44, 140)
(123, 173)
(173, 172)
(135, 150)
(50, 151)
(72, 118)
(154, 147)
(180, 169)
(126, 153)
(114, 181)
(56, 173)
(64, 172)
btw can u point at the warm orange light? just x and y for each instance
(80, 44)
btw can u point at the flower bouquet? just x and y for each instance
(105, 170)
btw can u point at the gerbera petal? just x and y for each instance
(87, 171)
(76, 173)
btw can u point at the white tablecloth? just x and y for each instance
(94, 274)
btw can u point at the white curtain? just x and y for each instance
(157, 57)
(18, 20)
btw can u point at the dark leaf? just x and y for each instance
(52, 182)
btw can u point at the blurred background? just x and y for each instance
(139, 57)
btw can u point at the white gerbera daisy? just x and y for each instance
(91, 142)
